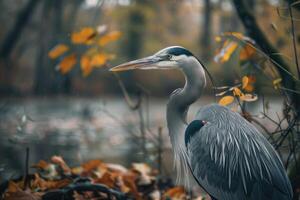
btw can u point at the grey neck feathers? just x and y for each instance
(177, 109)
(182, 98)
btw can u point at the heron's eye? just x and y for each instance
(169, 57)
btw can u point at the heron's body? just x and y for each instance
(231, 160)
(226, 154)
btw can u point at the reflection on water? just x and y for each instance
(81, 129)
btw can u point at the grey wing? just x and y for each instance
(231, 160)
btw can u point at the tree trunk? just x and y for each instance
(47, 80)
(261, 40)
(205, 39)
(14, 34)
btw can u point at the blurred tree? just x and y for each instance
(134, 33)
(13, 35)
(53, 26)
(8, 44)
(205, 38)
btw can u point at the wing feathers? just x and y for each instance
(232, 160)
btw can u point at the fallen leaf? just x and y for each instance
(176, 192)
(57, 51)
(23, 195)
(42, 184)
(67, 63)
(226, 100)
(41, 165)
(60, 162)
(91, 165)
(13, 187)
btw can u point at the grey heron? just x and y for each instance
(228, 157)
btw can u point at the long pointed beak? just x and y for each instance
(143, 63)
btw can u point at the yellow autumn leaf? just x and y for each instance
(276, 83)
(226, 100)
(218, 39)
(226, 51)
(235, 34)
(110, 37)
(58, 50)
(84, 36)
(249, 88)
(67, 63)
(245, 81)
(99, 59)
(85, 65)
(237, 92)
(247, 52)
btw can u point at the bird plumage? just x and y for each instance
(227, 155)
(231, 160)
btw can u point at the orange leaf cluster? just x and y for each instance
(231, 44)
(246, 86)
(93, 57)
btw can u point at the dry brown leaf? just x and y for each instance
(226, 100)
(110, 37)
(60, 162)
(58, 50)
(67, 63)
(23, 195)
(176, 192)
(41, 165)
(108, 179)
(245, 81)
(13, 187)
(91, 165)
(84, 36)
(40, 183)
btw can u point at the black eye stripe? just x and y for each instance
(177, 51)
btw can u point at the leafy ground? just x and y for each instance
(94, 179)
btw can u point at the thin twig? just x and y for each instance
(26, 177)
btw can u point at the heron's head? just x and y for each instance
(174, 57)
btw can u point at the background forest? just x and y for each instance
(57, 96)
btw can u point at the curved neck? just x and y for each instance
(182, 98)
(177, 109)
